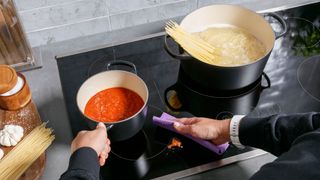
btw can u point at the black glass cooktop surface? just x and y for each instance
(293, 69)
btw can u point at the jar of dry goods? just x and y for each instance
(14, 89)
(14, 48)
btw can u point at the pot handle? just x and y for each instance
(122, 63)
(170, 52)
(172, 88)
(109, 127)
(281, 21)
(268, 81)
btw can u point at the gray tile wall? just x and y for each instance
(122, 6)
(63, 14)
(151, 14)
(49, 21)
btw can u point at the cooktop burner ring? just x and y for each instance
(94, 65)
(308, 78)
(224, 115)
(101, 64)
(150, 141)
(298, 31)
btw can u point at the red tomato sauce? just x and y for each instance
(113, 104)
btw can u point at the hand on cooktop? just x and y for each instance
(96, 139)
(204, 128)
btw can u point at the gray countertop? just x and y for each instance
(47, 94)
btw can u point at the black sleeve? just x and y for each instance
(276, 133)
(301, 162)
(83, 164)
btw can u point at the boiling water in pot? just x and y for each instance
(237, 46)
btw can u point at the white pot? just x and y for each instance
(125, 128)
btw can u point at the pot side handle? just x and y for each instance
(122, 63)
(166, 92)
(281, 21)
(268, 81)
(109, 127)
(170, 52)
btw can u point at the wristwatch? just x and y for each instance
(234, 131)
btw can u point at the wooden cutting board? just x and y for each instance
(28, 118)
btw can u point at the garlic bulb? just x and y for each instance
(11, 135)
(1, 153)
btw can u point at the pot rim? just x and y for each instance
(123, 120)
(240, 7)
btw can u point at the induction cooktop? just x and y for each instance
(293, 69)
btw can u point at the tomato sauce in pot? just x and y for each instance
(113, 104)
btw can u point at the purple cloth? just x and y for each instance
(166, 121)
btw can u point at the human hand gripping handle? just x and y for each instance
(96, 139)
(216, 131)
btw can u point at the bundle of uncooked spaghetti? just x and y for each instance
(195, 46)
(19, 159)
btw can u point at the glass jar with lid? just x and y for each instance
(14, 48)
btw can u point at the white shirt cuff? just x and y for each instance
(234, 130)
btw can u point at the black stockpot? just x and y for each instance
(227, 77)
(223, 78)
(204, 102)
